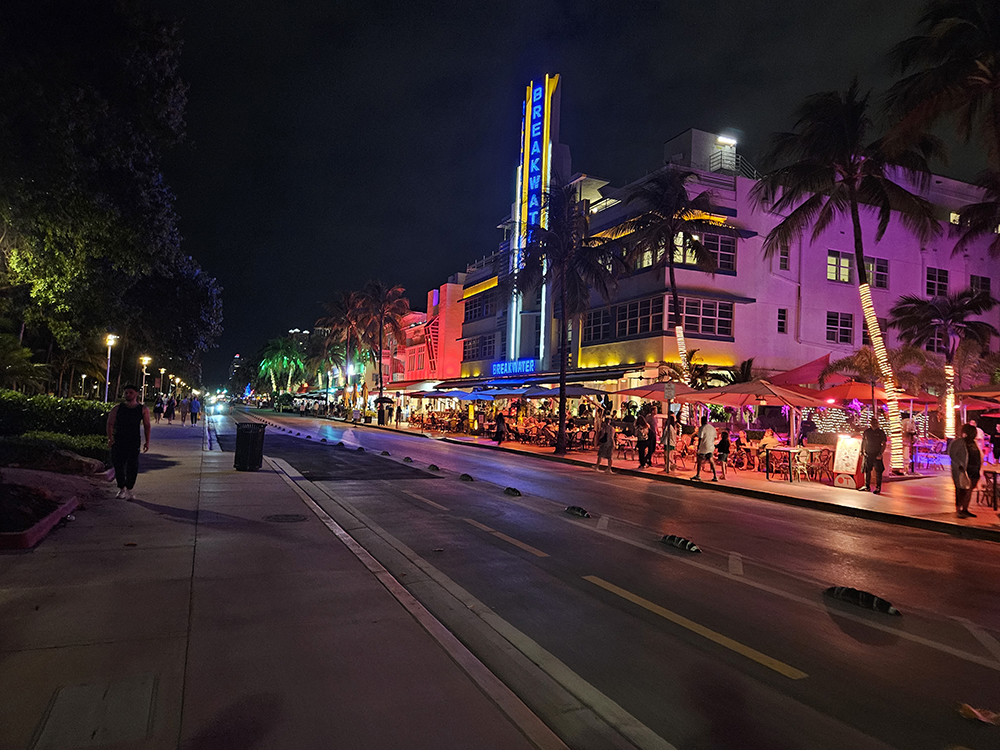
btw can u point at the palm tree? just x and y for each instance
(831, 169)
(281, 357)
(565, 255)
(863, 367)
(665, 232)
(383, 309)
(344, 322)
(740, 373)
(954, 64)
(16, 367)
(945, 320)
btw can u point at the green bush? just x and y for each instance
(20, 413)
(92, 446)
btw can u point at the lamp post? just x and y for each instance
(107, 378)
(83, 386)
(145, 360)
(162, 370)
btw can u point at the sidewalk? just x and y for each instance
(923, 501)
(193, 618)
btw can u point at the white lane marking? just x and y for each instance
(735, 564)
(422, 499)
(990, 643)
(817, 605)
(602, 522)
(521, 716)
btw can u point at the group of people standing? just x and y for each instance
(169, 408)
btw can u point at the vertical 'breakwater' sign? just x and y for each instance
(536, 153)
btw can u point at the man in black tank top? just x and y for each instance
(124, 438)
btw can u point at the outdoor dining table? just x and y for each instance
(989, 490)
(789, 450)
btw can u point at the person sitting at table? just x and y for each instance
(770, 440)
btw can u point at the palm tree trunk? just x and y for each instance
(898, 459)
(563, 362)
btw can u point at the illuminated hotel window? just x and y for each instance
(866, 340)
(878, 272)
(937, 282)
(597, 326)
(980, 284)
(723, 249)
(954, 218)
(683, 254)
(839, 267)
(840, 328)
(705, 316)
(481, 306)
(782, 320)
(641, 316)
(784, 259)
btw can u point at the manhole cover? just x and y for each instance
(286, 518)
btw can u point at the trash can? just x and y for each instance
(249, 446)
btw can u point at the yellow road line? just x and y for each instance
(750, 653)
(509, 539)
(526, 547)
(433, 504)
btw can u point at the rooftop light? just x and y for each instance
(725, 140)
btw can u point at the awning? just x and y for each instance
(807, 374)
(714, 294)
(587, 375)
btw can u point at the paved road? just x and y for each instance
(732, 648)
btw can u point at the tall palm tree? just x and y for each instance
(739, 373)
(830, 168)
(565, 255)
(954, 70)
(944, 319)
(282, 357)
(344, 321)
(667, 230)
(384, 308)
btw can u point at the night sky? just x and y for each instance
(330, 143)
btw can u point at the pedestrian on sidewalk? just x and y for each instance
(706, 447)
(604, 434)
(669, 441)
(185, 408)
(169, 411)
(723, 449)
(966, 463)
(399, 414)
(124, 423)
(873, 442)
(195, 409)
(158, 409)
(500, 429)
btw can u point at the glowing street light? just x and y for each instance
(83, 386)
(145, 359)
(107, 378)
(162, 370)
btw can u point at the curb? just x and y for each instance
(963, 532)
(20, 540)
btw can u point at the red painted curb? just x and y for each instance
(30, 537)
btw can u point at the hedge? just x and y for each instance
(92, 446)
(20, 414)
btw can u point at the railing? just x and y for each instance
(732, 164)
(486, 262)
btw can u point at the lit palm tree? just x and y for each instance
(666, 233)
(344, 321)
(945, 320)
(954, 70)
(281, 357)
(383, 309)
(566, 256)
(831, 169)
(863, 367)
(740, 373)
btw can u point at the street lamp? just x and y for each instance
(107, 378)
(83, 386)
(145, 360)
(162, 370)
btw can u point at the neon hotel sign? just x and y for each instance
(536, 151)
(517, 367)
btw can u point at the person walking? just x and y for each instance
(706, 447)
(169, 411)
(723, 449)
(641, 440)
(399, 414)
(965, 463)
(873, 442)
(500, 428)
(185, 409)
(195, 409)
(123, 427)
(604, 434)
(669, 441)
(158, 409)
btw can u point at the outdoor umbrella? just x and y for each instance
(464, 396)
(383, 400)
(656, 391)
(850, 391)
(983, 391)
(506, 392)
(572, 391)
(977, 404)
(759, 392)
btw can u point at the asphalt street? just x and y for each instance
(735, 647)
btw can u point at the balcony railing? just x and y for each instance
(732, 164)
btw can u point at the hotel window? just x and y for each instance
(839, 266)
(782, 320)
(883, 324)
(481, 306)
(420, 361)
(410, 363)
(683, 254)
(980, 284)
(937, 282)
(707, 317)
(470, 349)
(878, 272)
(954, 218)
(723, 249)
(784, 259)
(937, 343)
(840, 328)
(597, 326)
(641, 316)
(488, 346)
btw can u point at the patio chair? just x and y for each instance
(822, 465)
(625, 447)
(801, 464)
(779, 463)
